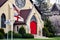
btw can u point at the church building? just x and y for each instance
(15, 13)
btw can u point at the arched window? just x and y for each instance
(3, 19)
(33, 18)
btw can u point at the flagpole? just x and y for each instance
(12, 21)
(7, 36)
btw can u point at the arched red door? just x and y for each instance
(33, 27)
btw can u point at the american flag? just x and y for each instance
(17, 17)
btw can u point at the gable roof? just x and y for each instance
(38, 9)
(2, 2)
(56, 7)
(24, 14)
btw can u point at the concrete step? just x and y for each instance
(41, 37)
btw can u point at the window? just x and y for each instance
(3, 19)
(33, 18)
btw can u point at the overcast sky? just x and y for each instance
(53, 1)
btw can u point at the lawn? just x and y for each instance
(54, 38)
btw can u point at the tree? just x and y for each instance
(42, 5)
(46, 32)
(48, 26)
(2, 31)
(22, 30)
(1, 36)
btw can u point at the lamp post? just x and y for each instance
(10, 22)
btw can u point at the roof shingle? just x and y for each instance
(56, 7)
(2, 2)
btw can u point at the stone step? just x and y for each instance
(42, 37)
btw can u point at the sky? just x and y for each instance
(53, 1)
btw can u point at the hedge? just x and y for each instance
(1, 36)
(27, 35)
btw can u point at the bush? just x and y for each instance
(48, 30)
(51, 35)
(5, 35)
(28, 36)
(9, 34)
(22, 30)
(2, 31)
(16, 35)
(1, 36)
(57, 35)
(45, 32)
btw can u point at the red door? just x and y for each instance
(33, 27)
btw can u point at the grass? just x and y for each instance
(36, 39)
(54, 38)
